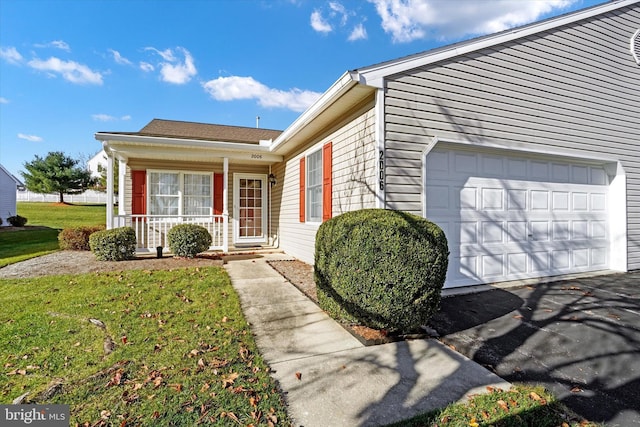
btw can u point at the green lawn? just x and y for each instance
(16, 246)
(183, 352)
(62, 216)
(20, 245)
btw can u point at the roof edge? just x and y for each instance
(374, 75)
(107, 137)
(339, 88)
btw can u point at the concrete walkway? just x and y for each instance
(342, 382)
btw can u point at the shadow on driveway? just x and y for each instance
(579, 338)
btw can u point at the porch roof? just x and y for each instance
(189, 141)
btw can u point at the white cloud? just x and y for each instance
(358, 33)
(3, 100)
(408, 20)
(173, 69)
(103, 117)
(119, 58)
(339, 9)
(236, 87)
(56, 44)
(108, 118)
(319, 24)
(11, 55)
(31, 138)
(146, 67)
(69, 70)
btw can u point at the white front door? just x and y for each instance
(510, 217)
(249, 208)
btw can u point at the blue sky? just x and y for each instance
(71, 68)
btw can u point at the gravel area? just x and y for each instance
(79, 262)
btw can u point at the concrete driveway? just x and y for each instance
(579, 338)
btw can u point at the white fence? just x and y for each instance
(89, 196)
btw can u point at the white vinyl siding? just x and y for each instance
(353, 182)
(574, 87)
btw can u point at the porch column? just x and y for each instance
(109, 190)
(225, 204)
(122, 172)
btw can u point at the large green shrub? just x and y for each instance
(77, 238)
(17, 220)
(381, 268)
(117, 244)
(188, 240)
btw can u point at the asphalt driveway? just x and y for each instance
(579, 338)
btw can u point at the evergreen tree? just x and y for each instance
(56, 173)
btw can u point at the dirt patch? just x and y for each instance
(80, 262)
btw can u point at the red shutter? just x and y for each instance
(327, 168)
(302, 190)
(139, 192)
(218, 193)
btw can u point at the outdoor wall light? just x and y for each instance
(272, 179)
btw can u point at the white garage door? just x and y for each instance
(510, 217)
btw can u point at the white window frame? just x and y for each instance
(181, 174)
(308, 189)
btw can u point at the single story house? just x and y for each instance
(8, 187)
(524, 146)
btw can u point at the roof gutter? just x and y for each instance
(339, 88)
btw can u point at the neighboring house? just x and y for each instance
(523, 146)
(97, 163)
(8, 186)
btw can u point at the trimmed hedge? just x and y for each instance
(77, 238)
(188, 240)
(17, 220)
(380, 268)
(117, 244)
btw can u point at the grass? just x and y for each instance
(59, 216)
(16, 246)
(20, 245)
(183, 351)
(521, 406)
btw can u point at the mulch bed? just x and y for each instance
(300, 275)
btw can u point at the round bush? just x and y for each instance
(381, 268)
(188, 240)
(117, 244)
(17, 220)
(77, 238)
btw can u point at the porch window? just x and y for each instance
(314, 186)
(179, 193)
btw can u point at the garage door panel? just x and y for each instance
(509, 217)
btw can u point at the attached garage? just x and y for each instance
(510, 215)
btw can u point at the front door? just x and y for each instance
(249, 208)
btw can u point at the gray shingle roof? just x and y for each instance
(205, 131)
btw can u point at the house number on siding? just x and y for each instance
(381, 170)
(256, 156)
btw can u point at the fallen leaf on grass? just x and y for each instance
(473, 422)
(176, 387)
(503, 405)
(228, 380)
(534, 396)
(17, 372)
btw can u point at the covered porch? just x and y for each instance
(162, 181)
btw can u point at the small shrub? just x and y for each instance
(381, 268)
(0, 220)
(188, 240)
(17, 220)
(77, 238)
(117, 244)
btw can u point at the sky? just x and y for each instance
(71, 68)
